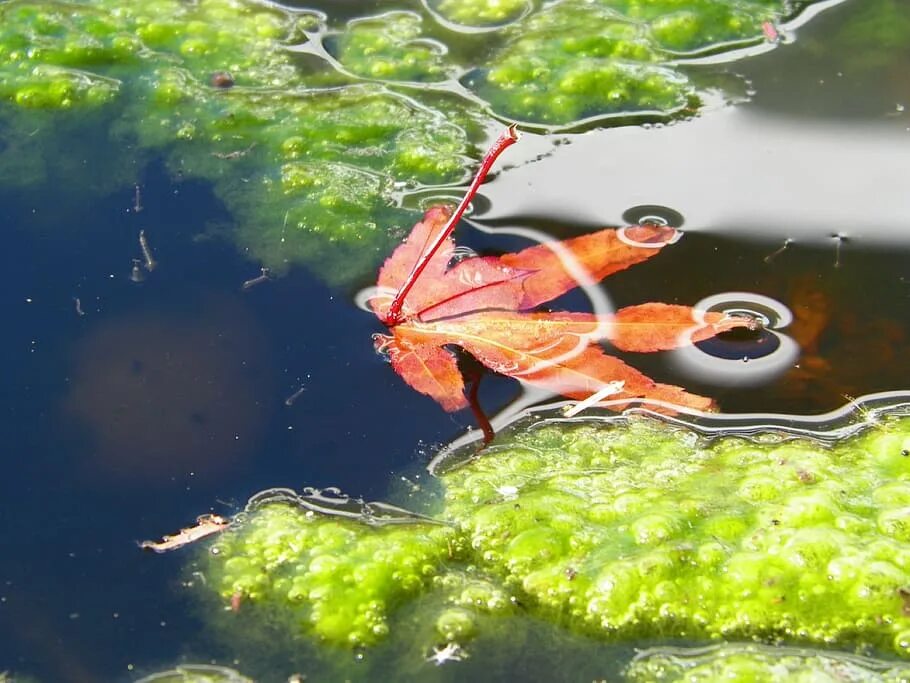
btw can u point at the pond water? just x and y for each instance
(131, 407)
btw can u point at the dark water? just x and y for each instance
(167, 398)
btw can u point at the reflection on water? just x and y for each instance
(735, 173)
(163, 395)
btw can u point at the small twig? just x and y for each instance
(78, 303)
(236, 154)
(608, 389)
(206, 525)
(150, 262)
(258, 280)
(137, 200)
(781, 250)
(289, 401)
(838, 241)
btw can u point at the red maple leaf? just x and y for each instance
(483, 305)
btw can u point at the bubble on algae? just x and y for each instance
(639, 528)
(755, 662)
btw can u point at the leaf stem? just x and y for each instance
(508, 137)
(474, 402)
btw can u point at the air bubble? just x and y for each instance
(744, 356)
(653, 214)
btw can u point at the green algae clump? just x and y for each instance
(328, 577)
(390, 47)
(577, 60)
(623, 531)
(480, 13)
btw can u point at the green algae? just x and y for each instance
(311, 133)
(622, 533)
(391, 46)
(760, 663)
(480, 13)
(577, 60)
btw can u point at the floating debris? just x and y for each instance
(839, 239)
(206, 525)
(781, 250)
(452, 652)
(222, 79)
(258, 280)
(236, 154)
(150, 262)
(289, 401)
(78, 302)
(137, 200)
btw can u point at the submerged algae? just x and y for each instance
(196, 673)
(616, 532)
(313, 153)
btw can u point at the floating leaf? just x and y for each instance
(482, 304)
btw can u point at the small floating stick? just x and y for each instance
(150, 262)
(608, 389)
(137, 200)
(773, 254)
(236, 154)
(206, 525)
(258, 280)
(289, 401)
(839, 239)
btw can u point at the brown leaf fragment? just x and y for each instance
(206, 525)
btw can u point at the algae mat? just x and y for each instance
(633, 532)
